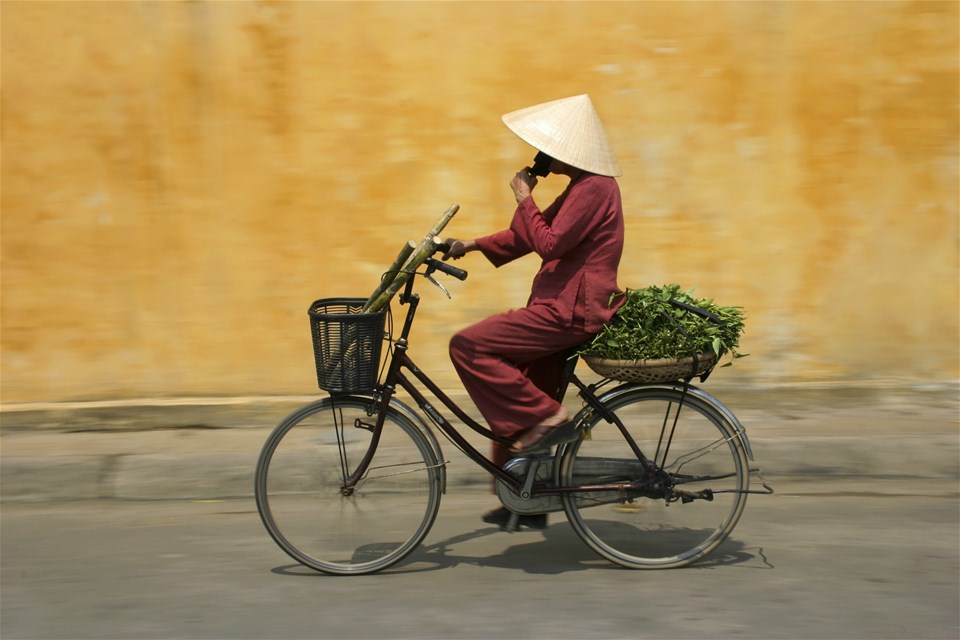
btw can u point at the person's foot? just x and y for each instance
(552, 431)
(501, 516)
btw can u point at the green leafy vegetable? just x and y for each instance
(650, 325)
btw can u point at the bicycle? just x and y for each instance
(351, 483)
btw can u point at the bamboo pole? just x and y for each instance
(414, 255)
(426, 248)
(423, 251)
(391, 273)
(442, 222)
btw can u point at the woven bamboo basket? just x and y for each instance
(650, 371)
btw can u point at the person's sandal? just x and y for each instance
(501, 516)
(546, 437)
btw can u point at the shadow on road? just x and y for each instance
(559, 551)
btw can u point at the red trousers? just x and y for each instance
(511, 364)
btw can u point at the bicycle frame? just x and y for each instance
(395, 378)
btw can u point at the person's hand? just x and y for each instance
(523, 184)
(458, 248)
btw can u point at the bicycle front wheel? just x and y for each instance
(667, 515)
(320, 522)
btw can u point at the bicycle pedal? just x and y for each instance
(628, 507)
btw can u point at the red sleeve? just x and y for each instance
(570, 224)
(502, 247)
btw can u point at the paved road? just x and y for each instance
(126, 521)
(845, 559)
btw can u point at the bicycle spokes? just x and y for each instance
(670, 509)
(327, 506)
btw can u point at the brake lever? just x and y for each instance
(440, 286)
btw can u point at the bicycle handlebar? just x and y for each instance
(438, 265)
(449, 269)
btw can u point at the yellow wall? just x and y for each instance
(180, 180)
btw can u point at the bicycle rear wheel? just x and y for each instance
(300, 482)
(686, 508)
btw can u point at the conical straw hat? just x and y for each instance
(569, 130)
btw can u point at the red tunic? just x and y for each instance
(511, 363)
(580, 239)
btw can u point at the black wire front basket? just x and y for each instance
(346, 344)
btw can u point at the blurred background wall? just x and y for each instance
(180, 180)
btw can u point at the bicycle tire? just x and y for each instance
(300, 479)
(643, 530)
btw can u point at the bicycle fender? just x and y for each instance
(741, 430)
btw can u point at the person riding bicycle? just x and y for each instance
(511, 363)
